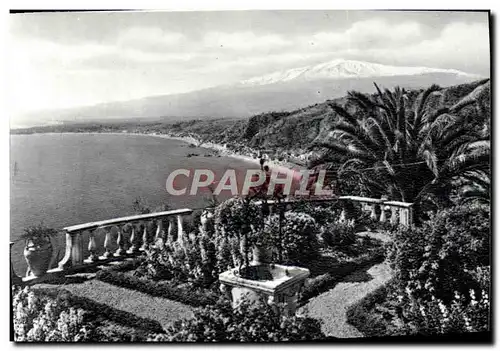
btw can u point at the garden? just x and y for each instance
(439, 265)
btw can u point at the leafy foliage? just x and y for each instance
(39, 318)
(38, 235)
(298, 240)
(171, 290)
(409, 148)
(247, 323)
(440, 257)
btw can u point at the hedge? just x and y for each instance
(165, 289)
(324, 282)
(361, 316)
(102, 313)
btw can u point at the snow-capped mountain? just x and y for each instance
(280, 91)
(344, 69)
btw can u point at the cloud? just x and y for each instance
(364, 34)
(153, 60)
(149, 37)
(463, 46)
(244, 41)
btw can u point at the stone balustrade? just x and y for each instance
(127, 237)
(124, 238)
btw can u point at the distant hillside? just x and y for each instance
(281, 132)
(297, 130)
(278, 91)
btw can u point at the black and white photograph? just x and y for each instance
(249, 176)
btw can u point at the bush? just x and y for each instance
(321, 283)
(298, 241)
(125, 326)
(247, 323)
(39, 318)
(363, 315)
(440, 257)
(442, 279)
(186, 294)
(338, 234)
(193, 261)
(236, 220)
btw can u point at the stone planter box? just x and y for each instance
(282, 287)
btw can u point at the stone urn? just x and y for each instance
(38, 254)
(279, 285)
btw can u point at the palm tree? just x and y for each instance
(399, 145)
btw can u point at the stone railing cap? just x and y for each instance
(120, 220)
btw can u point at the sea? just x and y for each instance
(66, 179)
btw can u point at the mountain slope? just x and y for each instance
(287, 90)
(342, 69)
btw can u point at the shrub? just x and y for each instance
(438, 258)
(238, 226)
(442, 272)
(462, 314)
(298, 241)
(39, 318)
(323, 214)
(338, 234)
(186, 294)
(247, 323)
(362, 314)
(193, 261)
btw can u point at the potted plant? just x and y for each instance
(38, 248)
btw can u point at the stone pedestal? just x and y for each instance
(281, 290)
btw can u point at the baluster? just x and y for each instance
(133, 241)
(170, 230)
(145, 238)
(107, 243)
(159, 230)
(92, 246)
(410, 216)
(383, 216)
(403, 219)
(394, 218)
(15, 279)
(180, 231)
(120, 241)
(78, 250)
(373, 214)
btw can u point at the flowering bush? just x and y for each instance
(441, 257)
(464, 313)
(39, 318)
(442, 279)
(193, 260)
(247, 323)
(238, 226)
(298, 241)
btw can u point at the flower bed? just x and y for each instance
(57, 315)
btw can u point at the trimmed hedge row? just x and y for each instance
(361, 315)
(102, 313)
(166, 289)
(324, 282)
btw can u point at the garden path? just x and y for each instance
(331, 307)
(143, 305)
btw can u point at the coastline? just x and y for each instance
(221, 149)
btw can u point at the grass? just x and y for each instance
(334, 271)
(164, 289)
(114, 324)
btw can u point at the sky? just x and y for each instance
(59, 60)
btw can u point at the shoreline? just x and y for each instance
(221, 149)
